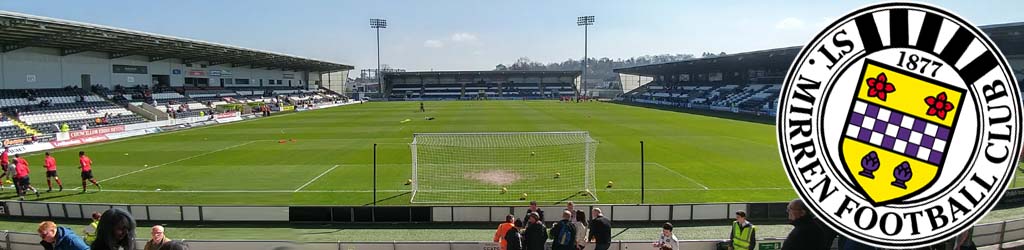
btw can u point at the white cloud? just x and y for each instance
(464, 37)
(825, 21)
(789, 23)
(433, 43)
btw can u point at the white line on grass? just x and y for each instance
(156, 134)
(681, 175)
(175, 161)
(315, 178)
(452, 191)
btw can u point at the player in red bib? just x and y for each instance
(21, 180)
(3, 164)
(51, 172)
(86, 165)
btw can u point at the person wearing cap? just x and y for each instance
(534, 209)
(743, 235)
(536, 234)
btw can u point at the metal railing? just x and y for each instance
(990, 234)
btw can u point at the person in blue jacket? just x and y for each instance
(59, 238)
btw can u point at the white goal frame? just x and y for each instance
(577, 148)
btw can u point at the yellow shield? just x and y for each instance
(897, 132)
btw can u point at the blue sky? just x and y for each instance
(476, 35)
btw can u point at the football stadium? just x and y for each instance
(238, 148)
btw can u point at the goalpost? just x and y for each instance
(503, 167)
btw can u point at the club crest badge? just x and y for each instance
(899, 125)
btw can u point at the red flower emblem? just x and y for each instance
(938, 106)
(880, 87)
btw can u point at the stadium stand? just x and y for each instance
(746, 83)
(46, 110)
(749, 82)
(471, 85)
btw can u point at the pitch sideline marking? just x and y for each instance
(175, 161)
(400, 190)
(154, 134)
(316, 178)
(681, 175)
(677, 173)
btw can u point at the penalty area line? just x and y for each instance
(315, 178)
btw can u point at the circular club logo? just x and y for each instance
(899, 125)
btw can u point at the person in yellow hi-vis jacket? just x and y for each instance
(89, 232)
(743, 233)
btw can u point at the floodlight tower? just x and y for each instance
(584, 21)
(378, 24)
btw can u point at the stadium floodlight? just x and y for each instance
(584, 21)
(503, 167)
(378, 24)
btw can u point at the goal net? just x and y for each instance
(503, 167)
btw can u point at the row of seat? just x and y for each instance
(76, 124)
(71, 115)
(749, 97)
(25, 93)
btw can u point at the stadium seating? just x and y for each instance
(740, 98)
(477, 90)
(42, 109)
(9, 130)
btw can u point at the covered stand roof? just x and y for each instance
(486, 73)
(19, 31)
(780, 57)
(1009, 37)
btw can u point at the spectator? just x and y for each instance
(806, 234)
(59, 238)
(174, 245)
(581, 229)
(116, 230)
(849, 244)
(502, 229)
(563, 233)
(89, 232)
(534, 209)
(514, 237)
(157, 239)
(965, 241)
(744, 234)
(571, 207)
(666, 240)
(536, 233)
(600, 230)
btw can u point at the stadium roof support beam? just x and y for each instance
(10, 23)
(115, 41)
(19, 31)
(59, 36)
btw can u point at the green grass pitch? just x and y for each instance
(690, 158)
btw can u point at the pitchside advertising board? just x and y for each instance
(899, 125)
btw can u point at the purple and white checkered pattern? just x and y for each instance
(897, 132)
